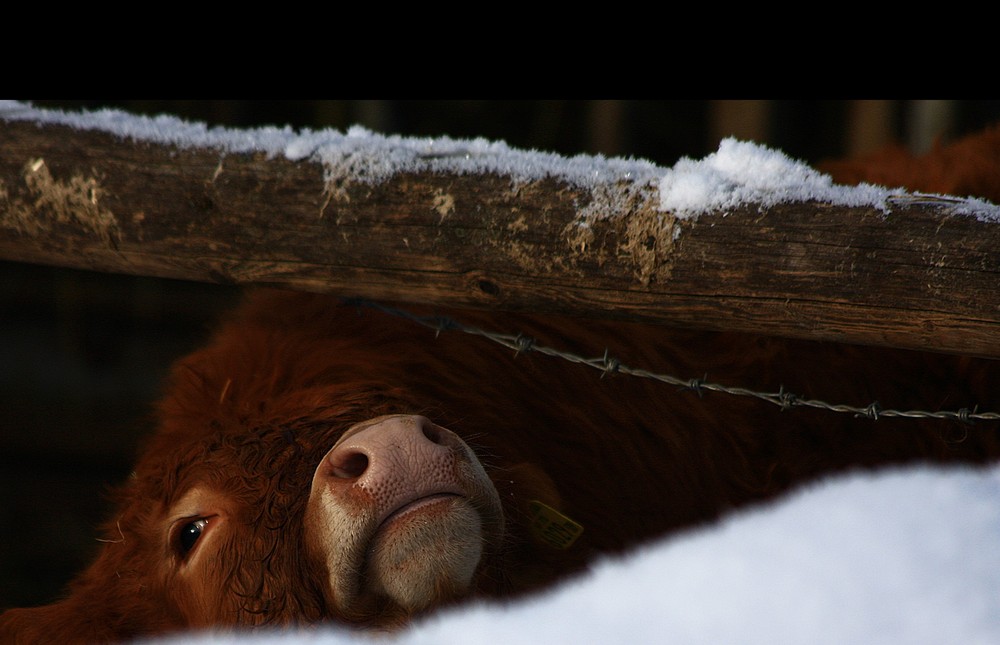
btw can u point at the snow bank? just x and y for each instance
(739, 173)
(907, 556)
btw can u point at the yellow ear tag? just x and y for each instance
(552, 527)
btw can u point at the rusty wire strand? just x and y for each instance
(610, 365)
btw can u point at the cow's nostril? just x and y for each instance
(350, 465)
(431, 432)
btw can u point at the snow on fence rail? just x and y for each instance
(743, 240)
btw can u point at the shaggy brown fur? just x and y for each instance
(968, 167)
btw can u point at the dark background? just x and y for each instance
(82, 354)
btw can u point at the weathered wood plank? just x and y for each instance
(921, 277)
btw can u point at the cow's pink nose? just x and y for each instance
(383, 455)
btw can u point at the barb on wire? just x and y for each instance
(611, 365)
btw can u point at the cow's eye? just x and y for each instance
(190, 533)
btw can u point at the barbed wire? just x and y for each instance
(608, 364)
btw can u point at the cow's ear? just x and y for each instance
(95, 611)
(540, 551)
(540, 506)
(530, 482)
(62, 622)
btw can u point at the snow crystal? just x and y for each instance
(359, 153)
(742, 173)
(739, 173)
(745, 173)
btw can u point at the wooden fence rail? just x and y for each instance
(922, 277)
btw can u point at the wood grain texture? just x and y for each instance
(920, 277)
